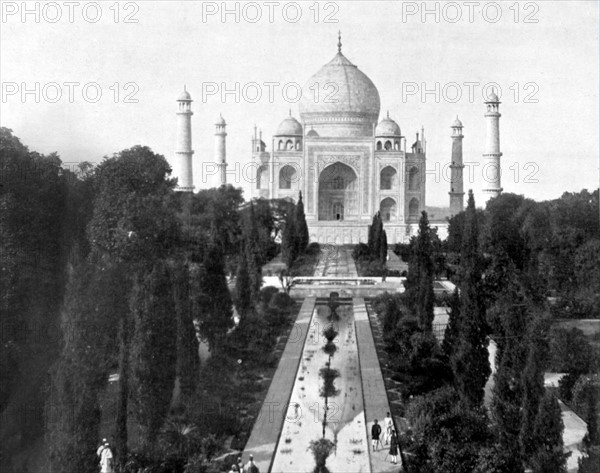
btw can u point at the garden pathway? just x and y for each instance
(375, 396)
(262, 444)
(336, 261)
(265, 433)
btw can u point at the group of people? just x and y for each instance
(389, 437)
(106, 461)
(250, 467)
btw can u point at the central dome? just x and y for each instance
(339, 93)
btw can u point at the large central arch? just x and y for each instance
(338, 193)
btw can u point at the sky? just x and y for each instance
(87, 79)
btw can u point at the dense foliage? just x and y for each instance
(126, 276)
(496, 258)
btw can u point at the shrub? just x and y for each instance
(361, 251)
(403, 251)
(565, 386)
(374, 269)
(330, 333)
(275, 317)
(571, 352)
(266, 294)
(329, 375)
(321, 449)
(389, 309)
(330, 348)
(313, 249)
(586, 387)
(281, 300)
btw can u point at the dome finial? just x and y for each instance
(290, 112)
(388, 114)
(339, 41)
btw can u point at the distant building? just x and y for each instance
(347, 164)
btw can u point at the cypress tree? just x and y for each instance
(253, 255)
(470, 363)
(533, 384)
(123, 315)
(212, 298)
(419, 283)
(452, 329)
(73, 410)
(377, 230)
(383, 248)
(548, 456)
(593, 436)
(511, 358)
(188, 363)
(154, 350)
(301, 226)
(288, 242)
(242, 287)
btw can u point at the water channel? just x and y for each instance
(345, 414)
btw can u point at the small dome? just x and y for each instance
(457, 123)
(387, 127)
(289, 127)
(220, 120)
(492, 97)
(312, 133)
(185, 96)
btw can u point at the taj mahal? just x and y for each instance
(346, 162)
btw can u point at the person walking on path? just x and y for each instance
(375, 433)
(394, 447)
(106, 457)
(251, 466)
(388, 426)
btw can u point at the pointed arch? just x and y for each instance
(414, 179)
(413, 209)
(387, 178)
(262, 177)
(388, 209)
(338, 192)
(287, 175)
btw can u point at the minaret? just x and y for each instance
(491, 166)
(221, 151)
(457, 194)
(183, 147)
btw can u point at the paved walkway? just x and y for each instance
(575, 430)
(335, 261)
(265, 433)
(375, 396)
